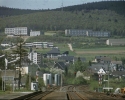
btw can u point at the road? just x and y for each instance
(70, 46)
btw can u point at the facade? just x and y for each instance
(35, 57)
(54, 53)
(47, 78)
(34, 33)
(77, 32)
(98, 34)
(39, 45)
(16, 31)
(115, 42)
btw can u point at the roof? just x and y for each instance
(68, 58)
(105, 58)
(54, 50)
(60, 65)
(10, 73)
(96, 67)
(118, 73)
(117, 40)
(81, 58)
(117, 62)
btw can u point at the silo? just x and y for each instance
(56, 79)
(47, 79)
(59, 79)
(50, 79)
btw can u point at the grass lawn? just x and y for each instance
(51, 33)
(109, 51)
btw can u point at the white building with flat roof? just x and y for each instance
(35, 57)
(16, 31)
(34, 33)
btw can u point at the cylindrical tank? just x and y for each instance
(47, 79)
(57, 79)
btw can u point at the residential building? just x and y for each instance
(116, 66)
(102, 59)
(67, 59)
(16, 31)
(53, 53)
(112, 42)
(77, 32)
(35, 57)
(98, 34)
(60, 65)
(34, 33)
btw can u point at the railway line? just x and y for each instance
(69, 92)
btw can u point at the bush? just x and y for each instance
(80, 80)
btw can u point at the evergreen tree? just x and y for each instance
(22, 53)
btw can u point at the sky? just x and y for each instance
(42, 4)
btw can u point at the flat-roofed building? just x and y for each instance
(75, 32)
(34, 33)
(16, 31)
(35, 57)
(115, 42)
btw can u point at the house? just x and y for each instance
(94, 68)
(53, 53)
(112, 42)
(67, 59)
(102, 59)
(116, 66)
(118, 74)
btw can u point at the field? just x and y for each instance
(112, 52)
(50, 33)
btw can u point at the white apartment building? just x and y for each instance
(34, 33)
(16, 31)
(35, 57)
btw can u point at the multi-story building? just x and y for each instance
(77, 32)
(98, 34)
(34, 33)
(16, 31)
(35, 57)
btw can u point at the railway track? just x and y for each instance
(36, 95)
(82, 93)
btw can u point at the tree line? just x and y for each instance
(97, 16)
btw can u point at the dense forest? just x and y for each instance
(98, 16)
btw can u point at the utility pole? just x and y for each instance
(62, 5)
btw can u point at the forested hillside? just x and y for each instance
(102, 17)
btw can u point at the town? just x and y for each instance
(62, 62)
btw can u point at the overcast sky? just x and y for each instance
(41, 4)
